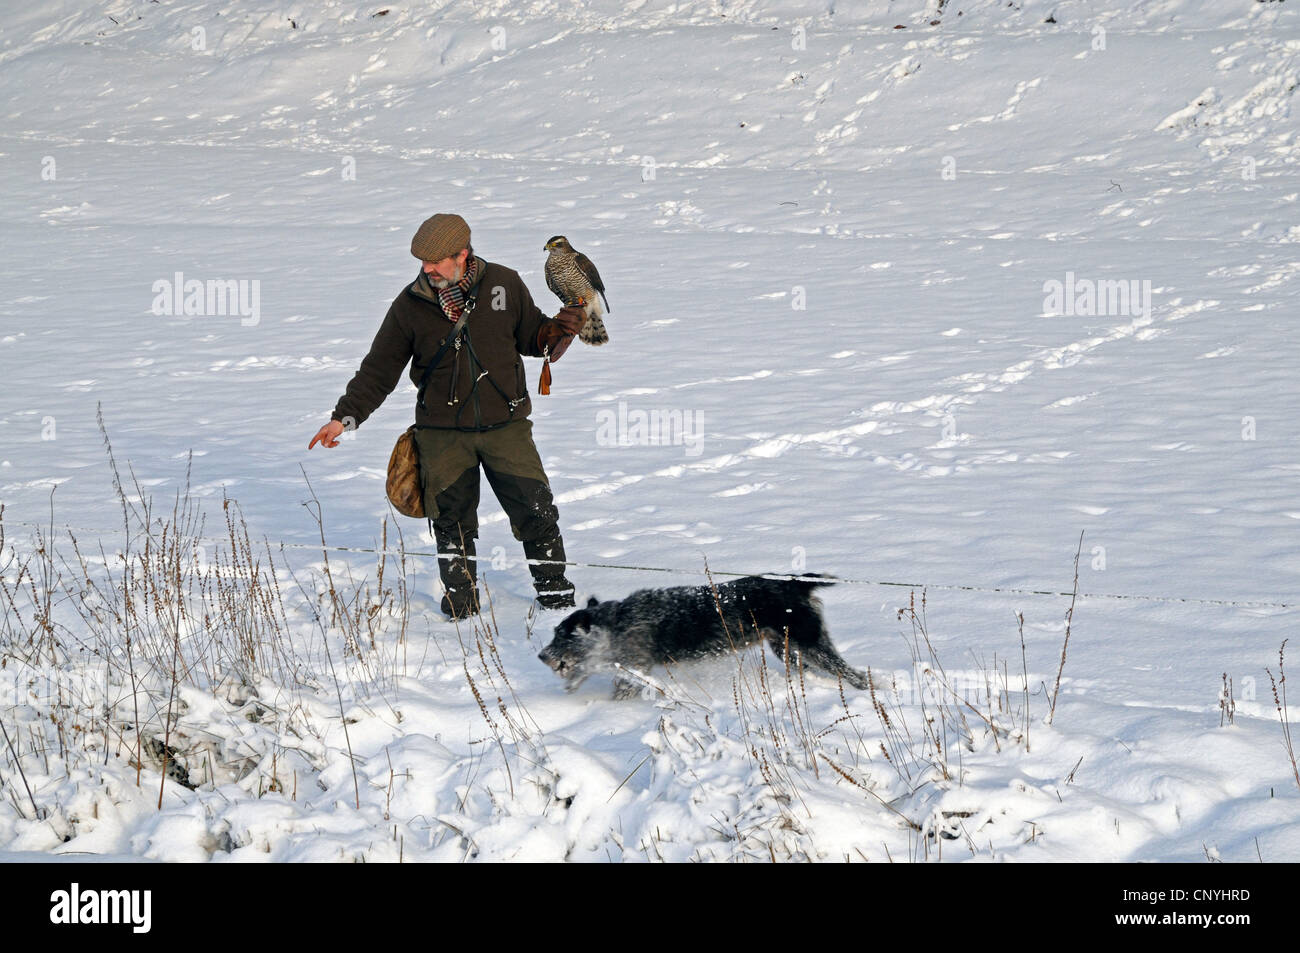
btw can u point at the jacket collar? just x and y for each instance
(422, 289)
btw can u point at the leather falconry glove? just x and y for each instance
(571, 318)
(554, 338)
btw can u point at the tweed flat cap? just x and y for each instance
(440, 236)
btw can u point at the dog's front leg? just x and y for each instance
(625, 688)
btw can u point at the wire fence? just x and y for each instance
(671, 570)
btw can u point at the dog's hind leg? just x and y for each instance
(825, 659)
(810, 643)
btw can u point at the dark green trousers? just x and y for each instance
(450, 464)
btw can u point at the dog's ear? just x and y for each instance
(593, 601)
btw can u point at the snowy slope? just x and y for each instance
(828, 242)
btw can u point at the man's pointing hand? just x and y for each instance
(328, 435)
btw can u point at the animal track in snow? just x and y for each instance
(1012, 107)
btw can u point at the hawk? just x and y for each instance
(575, 281)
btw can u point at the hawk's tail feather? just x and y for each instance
(593, 332)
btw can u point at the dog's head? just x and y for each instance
(580, 647)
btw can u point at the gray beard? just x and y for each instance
(441, 283)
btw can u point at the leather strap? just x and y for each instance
(447, 342)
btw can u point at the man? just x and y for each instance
(472, 410)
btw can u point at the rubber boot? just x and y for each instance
(459, 578)
(546, 563)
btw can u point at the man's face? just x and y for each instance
(445, 273)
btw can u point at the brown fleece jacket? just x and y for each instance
(477, 386)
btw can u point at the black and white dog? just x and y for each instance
(657, 626)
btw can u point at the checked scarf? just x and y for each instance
(452, 298)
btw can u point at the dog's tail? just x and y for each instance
(804, 583)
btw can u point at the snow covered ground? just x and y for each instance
(831, 246)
